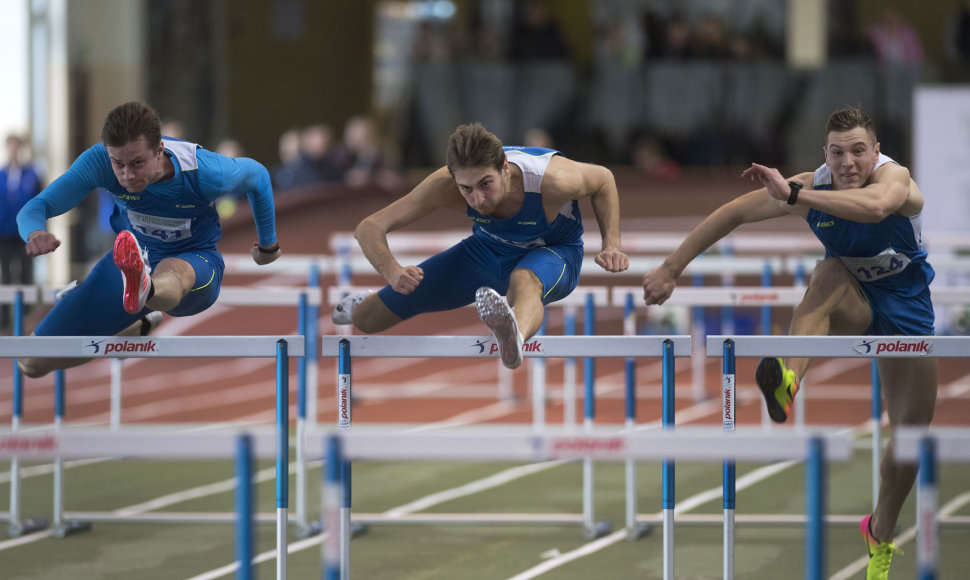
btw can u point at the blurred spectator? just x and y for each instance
(18, 183)
(710, 39)
(367, 160)
(620, 43)
(230, 148)
(677, 40)
(537, 137)
(957, 39)
(536, 35)
(323, 160)
(486, 45)
(431, 44)
(286, 173)
(651, 160)
(654, 34)
(894, 41)
(173, 128)
(308, 156)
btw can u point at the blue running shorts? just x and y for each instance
(899, 313)
(452, 277)
(94, 308)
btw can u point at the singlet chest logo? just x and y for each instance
(129, 197)
(480, 220)
(526, 223)
(184, 205)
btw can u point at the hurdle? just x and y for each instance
(730, 347)
(306, 299)
(280, 347)
(667, 348)
(930, 447)
(690, 444)
(156, 443)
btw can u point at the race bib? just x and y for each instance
(166, 229)
(886, 263)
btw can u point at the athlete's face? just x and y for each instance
(136, 164)
(483, 188)
(851, 155)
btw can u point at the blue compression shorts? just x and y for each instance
(452, 277)
(94, 308)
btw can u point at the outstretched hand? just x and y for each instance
(771, 179)
(406, 279)
(612, 260)
(41, 242)
(658, 285)
(262, 258)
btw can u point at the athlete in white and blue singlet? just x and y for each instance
(865, 209)
(526, 241)
(164, 193)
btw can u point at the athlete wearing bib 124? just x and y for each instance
(888, 260)
(171, 218)
(552, 251)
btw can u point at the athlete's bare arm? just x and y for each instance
(438, 190)
(754, 206)
(566, 180)
(890, 190)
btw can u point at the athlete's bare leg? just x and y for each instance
(909, 388)
(525, 297)
(833, 305)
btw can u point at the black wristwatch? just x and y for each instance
(271, 250)
(795, 188)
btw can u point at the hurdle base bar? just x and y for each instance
(597, 530)
(70, 527)
(16, 530)
(639, 530)
(317, 528)
(778, 519)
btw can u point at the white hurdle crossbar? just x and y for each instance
(697, 444)
(538, 347)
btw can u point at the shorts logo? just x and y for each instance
(916, 346)
(827, 224)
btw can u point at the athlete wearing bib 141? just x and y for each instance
(526, 246)
(874, 279)
(164, 193)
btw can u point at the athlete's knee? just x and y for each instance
(370, 317)
(31, 367)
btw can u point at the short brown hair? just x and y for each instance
(130, 121)
(472, 145)
(849, 118)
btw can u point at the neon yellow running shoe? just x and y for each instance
(778, 385)
(880, 553)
